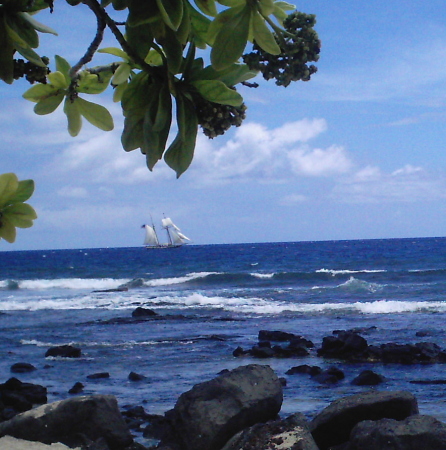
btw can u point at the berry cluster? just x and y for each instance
(300, 44)
(216, 119)
(30, 71)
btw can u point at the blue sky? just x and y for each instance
(356, 153)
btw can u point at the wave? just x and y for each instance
(353, 285)
(348, 271)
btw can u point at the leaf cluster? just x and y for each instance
(13, 211)
(159, 74)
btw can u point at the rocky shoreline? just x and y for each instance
(237, 410)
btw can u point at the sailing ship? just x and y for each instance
(175, 238)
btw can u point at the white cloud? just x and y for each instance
(270, 154)
(319, 162)
(292, 199)
(407, 184)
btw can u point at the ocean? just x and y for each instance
(211, 299)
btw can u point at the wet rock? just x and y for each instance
(11, 443)
(368, 378)
(290, 433)
(304, 369)
(133, 376)
(63, 351)
(77, 388)
(332, 375)
(98, 376)
(278, 336)
(143, 312)
(71, 422)
(208, 415)
(332, 426)
(414, 433)
(22, 367)
(346, 345)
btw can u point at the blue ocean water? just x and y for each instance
(212, 299)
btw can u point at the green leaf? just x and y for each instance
(49, 104)
(58, 80)
(9, 184)
(39, 92)
(122, 74)
(234, 74)
(115, 52)
(207, 7)
(141, 12)
(171, 12)
(64, 67)
(157, 122)
(133, 135)
(7, 230)
(231, 3)
(20, 215)
(30, 55)
(6, 54)
(119, 91)
(73, 115)
(263, 36)
(266, 7)
(24, 191)
(120, 4)
(35, 24)
(230, 41)
(183, 32)
(180, 153)
(199, 27)
(153, 58)
(96, 114)
(21, 31)
(174, 51)
(140, 38)
(94, 83)
(217, 92)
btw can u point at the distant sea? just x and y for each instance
(214, 298)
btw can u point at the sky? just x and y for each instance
(358, 152)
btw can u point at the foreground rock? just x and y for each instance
(72, 422)
(11, 443)
(208, 415)
(414, 433)
(290, 433)
(333, 425)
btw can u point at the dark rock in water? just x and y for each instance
(22, 368)
(283, 381)
(330, 376)
(71, 421)
(77, 388)
(290, 433)
(424, 333)
(64, 351)
(304, 369)
(262, 352)
(332, 426)
(239, 352)
(368, 378)
(278, 336)
(414, 433)
(16, 397)
(133, 376)
(143, 312)
(208, 415)
(346, 345)
(118, 289)
(427, 381)
(98, 376)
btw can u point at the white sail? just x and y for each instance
(167, 223)
(151, 239)
(178, 238)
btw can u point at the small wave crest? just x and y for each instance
(72, 283)
(354, 285)
(348, 272)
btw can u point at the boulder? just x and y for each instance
(71, 421)
(332, 375)
(143, 312)
(63, 351)
(278, 336)
(414, 433)
(11, 443)
(368, 378)
(346, 345)
(208, 415)
(332, 426)
(290, 433)
(22, 367)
